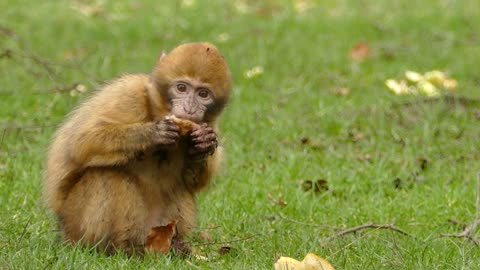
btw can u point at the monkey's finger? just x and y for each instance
(167, 142)
(205, 146)
(170, 134)
(205, 138)
(171, 126)
(202, 131)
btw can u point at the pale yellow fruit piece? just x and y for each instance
(450, 84)
(436, 77)
(399, 88)
(314, 262)
(428, 88)
(286, 263)
(413, 76)
(310, 262)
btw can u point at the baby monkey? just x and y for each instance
(133, 155)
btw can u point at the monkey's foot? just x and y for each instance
(180, 247)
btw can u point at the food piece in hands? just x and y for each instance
(186, 126)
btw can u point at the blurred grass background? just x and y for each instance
(310, 112)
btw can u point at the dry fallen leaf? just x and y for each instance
(342, 91)
(360, 51)
(310, 262)
(423, 162)
(224, 250)
(305, 140)
(312, 144)
(74, 53)
(317, 186)
(278, 201)
(159, 238)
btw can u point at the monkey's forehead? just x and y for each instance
(201, 61)
(197, 47)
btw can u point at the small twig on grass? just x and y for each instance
(454, 221)
(227, 242)
(208, 228)
(468, 233)
(372, 226)
(304, 223)
(65, 88)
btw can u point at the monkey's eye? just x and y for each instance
(181, 87)
(203, 93)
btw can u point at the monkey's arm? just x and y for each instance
(109, 144)
(115, 124)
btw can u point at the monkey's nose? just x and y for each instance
(189, 109)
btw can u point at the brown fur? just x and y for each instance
(106, 180)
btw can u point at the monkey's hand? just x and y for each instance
(203, 142)
(166, 133)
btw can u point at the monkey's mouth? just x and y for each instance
(193, 118)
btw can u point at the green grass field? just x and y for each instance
(385, 159)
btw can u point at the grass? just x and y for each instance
(368, 145)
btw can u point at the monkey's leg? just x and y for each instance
(105, 209)
(186, 217)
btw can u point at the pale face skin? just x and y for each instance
(190, 99)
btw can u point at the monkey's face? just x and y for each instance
(190, 99)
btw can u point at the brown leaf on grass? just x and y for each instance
(278, 201)
(7, 31)
(423, 162)
(366, 157)
(224, 250)
(318, 186)
(341, 91)
(355, 135)
(477, 114)
(397, 183)
(305, 140)
(74, 53)
(308, 142)
(360, 51)
(159, 238)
